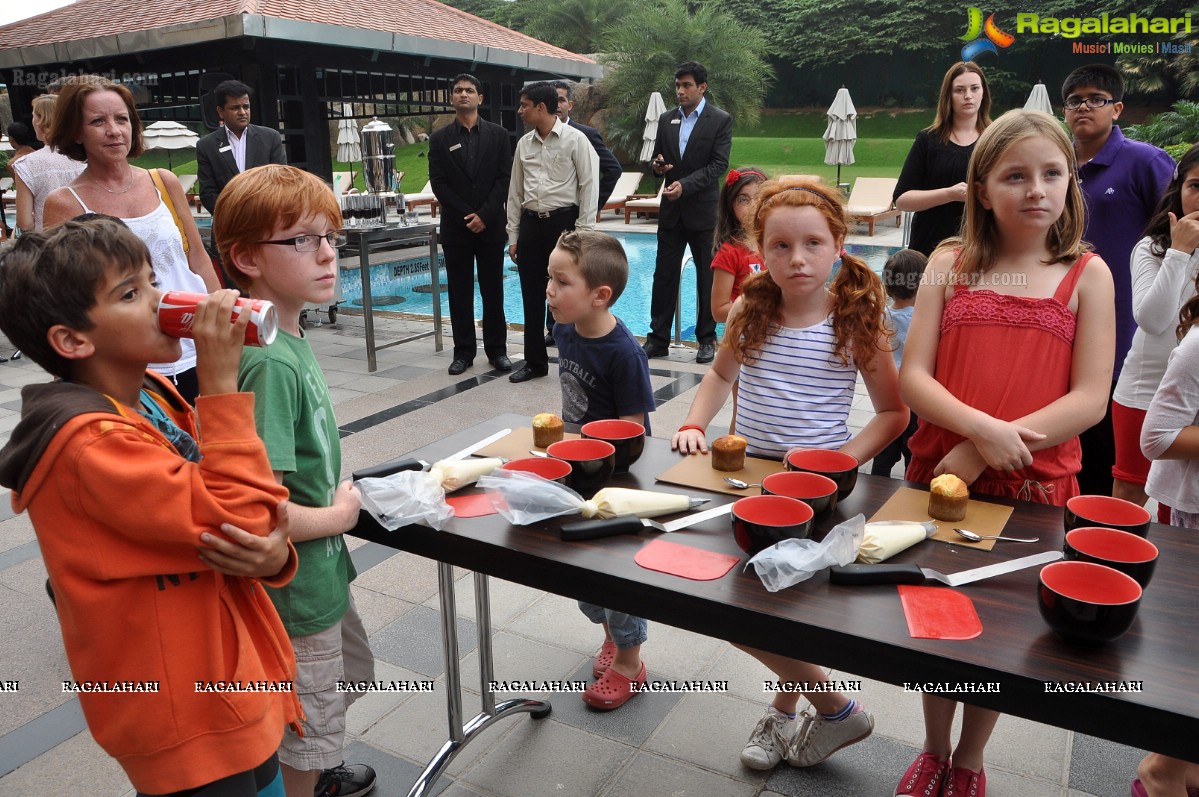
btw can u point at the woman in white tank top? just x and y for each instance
(96, 122)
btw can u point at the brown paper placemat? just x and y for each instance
(697, 471)
(516, 444)
(981, 517)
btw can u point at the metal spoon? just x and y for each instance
(538, 453)
(970, 535)
(740, 485)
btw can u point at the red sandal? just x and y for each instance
(613, 690)
(603, 659)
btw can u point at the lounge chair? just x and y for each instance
(425, 197)
(870, 200)
(648, 206)
(341, 183)
(624, 190)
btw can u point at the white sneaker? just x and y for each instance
(818, 738)
(769, 742)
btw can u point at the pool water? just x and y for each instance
(403, 285)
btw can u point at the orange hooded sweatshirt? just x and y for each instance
(118, 515)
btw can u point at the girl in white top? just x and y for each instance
(96, 122)
(1165, 264)
(797, 345)
(1170, 438)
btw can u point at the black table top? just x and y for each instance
(861, 629)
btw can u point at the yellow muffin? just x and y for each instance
(728, 452)
(947, 497)
(547, 429)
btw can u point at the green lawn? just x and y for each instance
(874, 157)
(810, 124)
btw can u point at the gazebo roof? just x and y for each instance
(102, 28)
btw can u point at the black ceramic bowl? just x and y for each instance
(1119, 550)
(1086, 603)
(841, 468)
(760, 521)
(628, 437)
(591, 463)
(818, 492)
(1108, 512)
(556, 470)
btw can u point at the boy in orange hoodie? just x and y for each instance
(154, 538)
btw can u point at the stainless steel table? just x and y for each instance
(392, 233)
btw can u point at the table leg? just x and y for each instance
(460, 735)
(364, 266)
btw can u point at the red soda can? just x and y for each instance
(177, 312)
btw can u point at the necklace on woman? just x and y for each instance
(124, 190)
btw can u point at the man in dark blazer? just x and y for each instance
(470, 165)
(692, 151)
(238, 145)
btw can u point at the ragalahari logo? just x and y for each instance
(982, 37)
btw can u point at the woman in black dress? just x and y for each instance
(933, 181)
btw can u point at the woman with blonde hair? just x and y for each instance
(35, 175)
(97, 124)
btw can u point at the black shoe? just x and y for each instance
(501, 363)
(656, 349)
(459, 365)
(707, 353)
(528, 372)
(345, 781)
(549, 340)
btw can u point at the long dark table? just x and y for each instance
(861, 629)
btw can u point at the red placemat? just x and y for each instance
(476, 505)
(939, 613)
(684, 561)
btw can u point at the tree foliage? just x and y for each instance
(1179, 126)
(575, 25)
(650, 43)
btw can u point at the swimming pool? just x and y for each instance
(403, 285)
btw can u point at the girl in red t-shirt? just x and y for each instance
(732, 261)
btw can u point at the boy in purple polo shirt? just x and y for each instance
(1123, 181)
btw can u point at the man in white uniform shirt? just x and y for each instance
(554, 188)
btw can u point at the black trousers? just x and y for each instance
(672, 243)
(462, 261)
(1098, 455)
(534, 242)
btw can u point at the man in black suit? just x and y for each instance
(470, 164)
(610, 168)
(238, 145)
(692, 151)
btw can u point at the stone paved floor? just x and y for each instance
(659, 744)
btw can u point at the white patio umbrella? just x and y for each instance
(656, 108)
(842, 131)
(349, 147)
(1038, 100)
(169, 136)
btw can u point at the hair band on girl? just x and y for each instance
(734, 176)
(813, 192)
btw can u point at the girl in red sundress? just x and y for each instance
(1008, 358)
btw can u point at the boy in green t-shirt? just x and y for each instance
(278, 228)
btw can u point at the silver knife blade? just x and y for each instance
(698, 517)
(979, 573)
(486, 441)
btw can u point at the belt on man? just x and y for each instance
(545, 214)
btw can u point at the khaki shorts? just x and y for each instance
(339, 653)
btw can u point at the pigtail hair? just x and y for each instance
(859, 312)
(757, 317)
